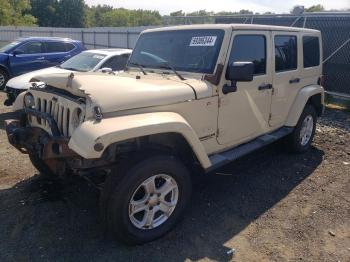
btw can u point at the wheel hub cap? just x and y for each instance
(153, 201)
(306, 130)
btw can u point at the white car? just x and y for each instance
(103, 60)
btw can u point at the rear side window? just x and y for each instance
(116, 63)
(31, 48)
(286, 53)
(55, 47)
(69, 46)
(311, 51)
(250, 48)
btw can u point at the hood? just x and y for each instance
(23, 81)
(123, 91)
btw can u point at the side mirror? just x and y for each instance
(238, 72)
(106, 70)
(17, 52)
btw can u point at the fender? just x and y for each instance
(116, 129)
(18, 104)
(6, 68)
(300, 101)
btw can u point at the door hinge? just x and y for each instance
(217, 132)
(270, 116)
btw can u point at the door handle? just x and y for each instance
(294, 81)
(265, 87)
(40, 58)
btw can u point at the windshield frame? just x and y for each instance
(219, 32)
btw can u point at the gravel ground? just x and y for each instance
(270, 206)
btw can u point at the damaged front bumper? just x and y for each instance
(51, 149)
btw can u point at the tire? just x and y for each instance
(3, 79)
(129, 184)
(296, 142)
(40, 165)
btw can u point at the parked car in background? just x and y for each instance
(33, 53)
(105, 60)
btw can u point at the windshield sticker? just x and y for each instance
(98, 57)
(203, 41)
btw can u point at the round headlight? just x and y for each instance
(29, 100)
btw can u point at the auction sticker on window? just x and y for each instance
(203, 41)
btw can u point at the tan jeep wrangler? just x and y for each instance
(193, 97)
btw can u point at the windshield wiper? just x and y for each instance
(167, 65)
(139, 66)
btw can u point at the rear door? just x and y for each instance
(286, 74)
(56, 52)
(244, 114)
(28, 57)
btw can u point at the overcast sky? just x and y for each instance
(166, 6)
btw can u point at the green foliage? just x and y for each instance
(124, 17)
(177, 13)
(94, 15)
(315, 8)
(5, 12)
(75, 13)
(16, 12)
(71, 13)
(45, 11)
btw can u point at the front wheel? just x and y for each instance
(301, 138)
(3, 79)
(146, 201)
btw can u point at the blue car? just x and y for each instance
(33, 53)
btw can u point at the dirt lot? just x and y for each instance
(273, 207)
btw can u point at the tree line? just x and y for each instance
(75, 13)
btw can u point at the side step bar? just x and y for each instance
(230, 155)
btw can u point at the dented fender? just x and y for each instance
(116, 129)
(300, 101)
(18, 104)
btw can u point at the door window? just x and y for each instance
(311, 51)
(286, 55)
(31, 48)
(55, 47)
(250, 48)
(116, 63)
(69, 46)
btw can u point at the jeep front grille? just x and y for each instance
(67, 114)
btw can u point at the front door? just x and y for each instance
(244, 114)
(28, 57)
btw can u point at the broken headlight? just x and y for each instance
(29, 100)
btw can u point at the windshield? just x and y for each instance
(185, 50)
(83, 62)
(8, 47)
